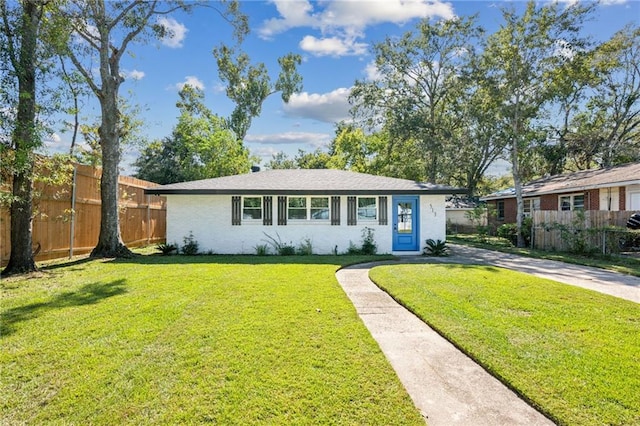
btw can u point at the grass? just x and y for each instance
(189, 340)
(573, 353)
(617, 263)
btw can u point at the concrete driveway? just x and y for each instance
(445, 385)
(612, 283)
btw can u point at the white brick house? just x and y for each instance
(329, 208)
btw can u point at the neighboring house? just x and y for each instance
(329, 208)
(457, 213)
(613, 189)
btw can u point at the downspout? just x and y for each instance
(73, 210)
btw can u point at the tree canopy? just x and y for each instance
(200, 147)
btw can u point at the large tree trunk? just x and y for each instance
(24, 141)
(21, 259)
(110, 242)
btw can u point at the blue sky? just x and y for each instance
(334, 39)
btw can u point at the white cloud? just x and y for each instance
(351, 16)
(133, 74)
(332, 46)
(343, 22)
(612, 2)
(192, 81)
(315, 140)
(294, 14)
(372, 72)
(53, 144)
(329, 107)
(175, 32)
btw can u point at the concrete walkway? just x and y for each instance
(446, 385)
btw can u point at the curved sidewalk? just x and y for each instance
(447, 386)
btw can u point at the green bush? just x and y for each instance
(166, 249)
(305, 248)
(368, 246)
(436, 248)
(283, 249)
(509, 231)
(190, 246)
(262, 249)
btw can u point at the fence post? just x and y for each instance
(148, 219)
(72, 227)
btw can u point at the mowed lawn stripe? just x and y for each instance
(573, 353)
(193, 340)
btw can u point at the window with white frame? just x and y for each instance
(252, 208)
(319, 208)
(367, 208)
(531, 205)
(308, 208)
(571, 202)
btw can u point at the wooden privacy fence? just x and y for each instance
(67, 222)
(596, 230)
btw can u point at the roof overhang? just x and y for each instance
(434, 191)
(563, 190)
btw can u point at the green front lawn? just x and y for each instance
(187, 340)
(574, 353)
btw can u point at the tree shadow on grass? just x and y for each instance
(86, 295)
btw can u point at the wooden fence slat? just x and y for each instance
(546, 236)
(142, 217)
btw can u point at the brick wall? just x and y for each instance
(592, 199)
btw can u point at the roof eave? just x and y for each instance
(434, 191)
(564, 190)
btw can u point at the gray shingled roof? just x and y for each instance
(627, 174)
(311, 182)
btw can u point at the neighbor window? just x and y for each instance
(252, 208)
(571, 202)
(367, 208)
(531, 205)
(500, 210)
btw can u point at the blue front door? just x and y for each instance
(405, 224)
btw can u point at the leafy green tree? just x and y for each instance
(415, 96)
(352, 149)
(21, 36)
(159, 162)
(616, 101)
(248, 85)
(519, 61)
(317, 159)
(105, 30)
(200, 147)
(280, 160)
(210, 148)
(130, 128)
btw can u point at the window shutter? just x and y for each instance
(352, 211)
(282, 210)
(335, 210)
(267, 211)
(236, 210)
(382, 210)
